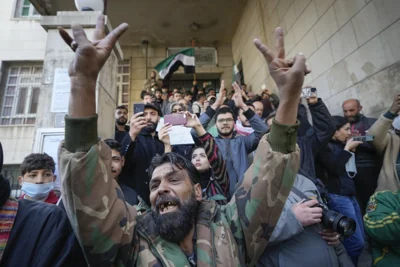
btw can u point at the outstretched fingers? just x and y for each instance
(113, 36)
(264, 50)
(79, 35)
(99, 33)
(280, 43)
(65, 36)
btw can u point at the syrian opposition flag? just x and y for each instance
(184, 58)
(236, 74)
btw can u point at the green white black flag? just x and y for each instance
(185, 58)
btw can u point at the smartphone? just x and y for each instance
(308, 92)
(138, 108)
(175, 119)
(366, 138)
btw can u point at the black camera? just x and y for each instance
(338, 222)
(212, 100)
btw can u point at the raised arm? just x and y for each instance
(381, 127)
(214, 155)
(261, 196)
(322, 124)
(94, 203)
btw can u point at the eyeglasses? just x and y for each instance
(176, 110)
(229, 120)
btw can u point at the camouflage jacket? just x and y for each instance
(113, 233)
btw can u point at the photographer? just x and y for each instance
(338, 161)
(299, 238)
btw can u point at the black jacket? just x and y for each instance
(333, 159)
(42, 237)
(138, 156)
(313, 138)
(366, 155)
(120, 135)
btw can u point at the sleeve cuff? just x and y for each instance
(389, 115)
(249, 114)
(80, 133)
(204, 137)
(210, 112)
(283, 137)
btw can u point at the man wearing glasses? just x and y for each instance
(234, 148)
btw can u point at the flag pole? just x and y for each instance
(194, 50)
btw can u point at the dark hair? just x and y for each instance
(200, 96)
(122, 107)
(210, 89)
(188, 93)
(146, 94)
(179, 162)
(339, 122)
(37, 162)
(158, 90)
(224, 111)
(243, 84)
(113, 144)
(257, 98)
(179, 92)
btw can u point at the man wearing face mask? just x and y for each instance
(387, 144)
(37, 178)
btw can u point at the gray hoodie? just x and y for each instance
(291, 245)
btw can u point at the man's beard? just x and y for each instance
(121, 121)
(354, 118)
(225, 134)
(151, 128)
(174, 226)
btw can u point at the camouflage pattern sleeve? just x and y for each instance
(102, 221)
(259, 200)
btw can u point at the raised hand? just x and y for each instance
(237, 97)
(395, 108)
(91, 56)
(163, 134)
(221, 97)
(192, 121)
(288, 76)
(351, 145)
(137, 123)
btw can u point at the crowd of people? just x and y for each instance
(267, 180)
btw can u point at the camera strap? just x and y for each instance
(298, 193)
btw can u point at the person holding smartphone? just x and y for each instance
(338, 161)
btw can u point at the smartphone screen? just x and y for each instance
(138, 108)
(175, 119)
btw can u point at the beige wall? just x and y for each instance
(352, 46)
(157, 54)
(20, 39)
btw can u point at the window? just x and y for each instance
(123, 82)
(25, 9)
(21, 95)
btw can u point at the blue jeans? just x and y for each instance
(348, 206)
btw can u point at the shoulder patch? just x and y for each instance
(371, 206)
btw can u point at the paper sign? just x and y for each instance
(50, 147)
(61, 91)
(180, 135)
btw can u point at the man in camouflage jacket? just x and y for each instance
(113, 233)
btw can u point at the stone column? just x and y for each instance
(59, 55)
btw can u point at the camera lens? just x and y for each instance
(339, 223)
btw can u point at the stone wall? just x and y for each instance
(157, 54)
(352, 46)
(21, 39)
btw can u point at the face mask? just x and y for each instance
(37, 191)
(351, 166)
